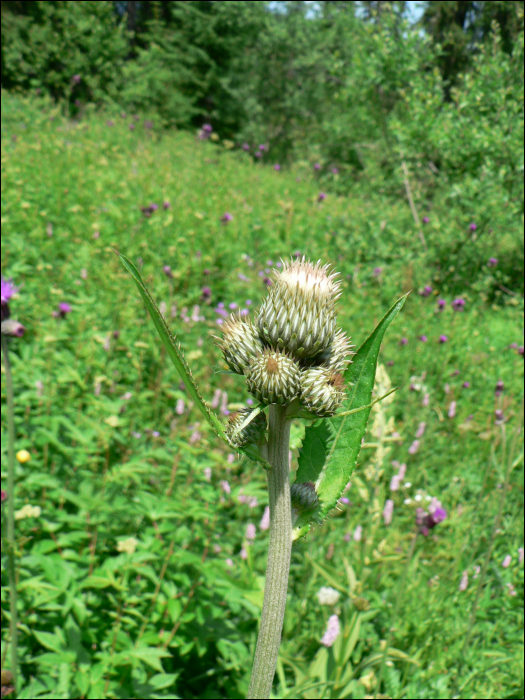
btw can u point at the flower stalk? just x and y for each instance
(279, 553)
(13, 623)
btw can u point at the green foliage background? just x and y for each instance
(363, 93)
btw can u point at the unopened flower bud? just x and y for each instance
(13, 328)
(337, 356)
(273, 377)
(298, 314)
(304, 497)
(240, 343)
(251, 433)
(322, 391)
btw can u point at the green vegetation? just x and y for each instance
(117, 451)
(206, 142)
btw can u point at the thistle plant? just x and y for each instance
(297, 364)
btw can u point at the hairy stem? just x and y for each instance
(13, 624)
(279, 553)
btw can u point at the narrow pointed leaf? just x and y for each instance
(172, 347)
(331, 446)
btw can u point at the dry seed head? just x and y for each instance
(298, 315)
(240, 343)
(273, 377)
(322, 390)
(251, 433)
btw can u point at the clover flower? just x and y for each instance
(333, 630)
(327, 595)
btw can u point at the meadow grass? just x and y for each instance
(117, 451)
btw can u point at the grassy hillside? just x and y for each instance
(117, 451)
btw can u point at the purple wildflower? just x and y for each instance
(321, 196)
(251, 531)
(317, 166)
(452, 409)
(262, 148)
(500, 416)
(148, 124)
(333, 630)
(265, 520)
(132, 127)
(225, 486)
(506, 562)
(426, 220)
(205, 293)
(12, 328)
(167, 271)
(7, 290)
(344, 500)
(403, 341)
(110, 123)
(492, 262)
(245, 147)
(423, 338)
(4, 495)
(335, 171)
(358, 533)
(166, 205)
(466, 385)
(277, 166)
(63, 309)
(458, 304)
(441, 304)
(521, 350)
(426, 400)
(75, 79)
(463, 584)
(473, 227)
(267, 281)
(500, 386)
(414, 447)
(388, 511)
(243, 553)
(427, 291)
(421, 429)
(443, 339)
(226, 217)
(179, 407)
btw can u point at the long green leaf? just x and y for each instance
(172, 347)
(331, 446)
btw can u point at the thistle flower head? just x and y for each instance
(251, 433)
(8, 289)
(298, 314)
(273, 377)
(322, 390)
(338, 356)
(304, 497)
(240, 343)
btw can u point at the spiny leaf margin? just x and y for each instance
(331, 446)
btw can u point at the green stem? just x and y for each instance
(13, 624)
(279, 553)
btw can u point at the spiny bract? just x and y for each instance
(298, 314)
(322, 391)
(240, 343)
(273, 377)
(251, 433)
